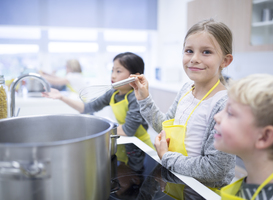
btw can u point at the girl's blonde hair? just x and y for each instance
(219, 31)
(74, 65)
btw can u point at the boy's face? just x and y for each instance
(236, 132)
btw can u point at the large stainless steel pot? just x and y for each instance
(53, 157)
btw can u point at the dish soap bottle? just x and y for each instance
(3, 98)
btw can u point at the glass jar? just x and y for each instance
(3, 98)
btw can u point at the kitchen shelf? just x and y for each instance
(261, 1)
(262, 23)
(259, 24)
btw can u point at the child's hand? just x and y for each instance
(140, 86)
(53, 94)
(161, 144)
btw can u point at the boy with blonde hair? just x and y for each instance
(245, 128)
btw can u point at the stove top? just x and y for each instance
(143, 178)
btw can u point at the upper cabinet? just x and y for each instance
(262, 22)
(115, 14)
(241, 16)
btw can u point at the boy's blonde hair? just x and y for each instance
(74, 65)
(255, 91)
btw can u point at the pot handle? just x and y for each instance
(17, 170)
(114, 136)
(116, 125)
(114, 130)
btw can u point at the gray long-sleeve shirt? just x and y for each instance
(213, 168)
(133, 118)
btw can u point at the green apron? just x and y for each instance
(120, 110)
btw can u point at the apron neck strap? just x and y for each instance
(186, 94)
(261, 186)
(202, 99)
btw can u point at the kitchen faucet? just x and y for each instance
(17, 80)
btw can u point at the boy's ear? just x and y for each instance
(265, 139)
(227, 60)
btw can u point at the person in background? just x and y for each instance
(123, 103)
(73, 80)
(245, 128)
(185, 145)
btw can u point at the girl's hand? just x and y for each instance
(140, 86)
(161, 144)
(53, 94)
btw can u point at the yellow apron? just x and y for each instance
(177, 134)
(120, 110)
(175, 191)
(228, 192)
(69, 86)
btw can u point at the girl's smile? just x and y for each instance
(195, 69)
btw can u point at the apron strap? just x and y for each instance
(71, 88)
(261, 186)
(202, 99)
(128, 94)
(186, 94)
(112, 100)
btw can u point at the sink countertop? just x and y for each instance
(35, 104)
(193, 183)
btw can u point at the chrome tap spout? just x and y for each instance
(17, 80)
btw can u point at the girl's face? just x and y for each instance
(202, 57)
(120, 73)
(235, 129)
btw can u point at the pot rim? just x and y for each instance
(59, 142)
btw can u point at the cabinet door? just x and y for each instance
(236, 14)
(262, 22)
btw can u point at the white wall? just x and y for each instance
(172, 27)
(250, 63)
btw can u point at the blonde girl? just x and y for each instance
(186, 145)
(73, 80)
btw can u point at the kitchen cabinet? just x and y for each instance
(19, 13)
(116, 14)
(262, 22)
(238, 15)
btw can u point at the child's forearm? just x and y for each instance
(120, 131)
(77, 105)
